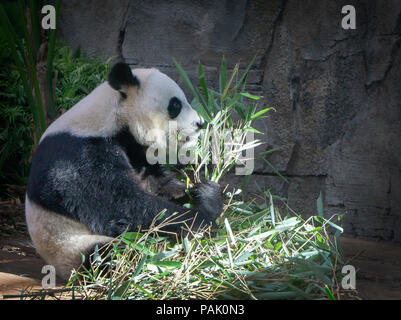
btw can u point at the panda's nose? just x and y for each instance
(200, 124)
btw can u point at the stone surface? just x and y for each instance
(96, 28)
(337, 92)
(378, 268)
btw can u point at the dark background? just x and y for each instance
(337, 92)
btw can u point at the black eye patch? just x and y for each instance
(174, 107)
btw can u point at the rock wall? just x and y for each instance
(337, 92)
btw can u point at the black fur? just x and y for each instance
(174, 107)
(121, 75)
(135, 152)
(91, 180)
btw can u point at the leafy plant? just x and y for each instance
(16, 128)
(229, 114)
(76, 74)
(32, 52)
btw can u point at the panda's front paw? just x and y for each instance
(172, 190)
(208, 198)
(176, 189)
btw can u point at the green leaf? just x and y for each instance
(325, 221)
(253, 130)
(35, 29)
(162, 214)
(223, 75)
(131, 237)
(121, 290)
(228, 84)
(329, 294)
(260, 113)
(272, 214)
(164, 255)
(275, 170)
(267, 152)
(276, 295)
(320, 205)
(166, 264)
(189, 85)
(143, 290)
(245, 74)
(250, 96)
(202, 81)
(50, 67)
(245, 181)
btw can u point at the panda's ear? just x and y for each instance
(121, 78)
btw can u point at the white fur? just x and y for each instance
(94, 115)
(103, 112)
(59, 240)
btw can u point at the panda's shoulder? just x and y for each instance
(68, 151)
(63, 161)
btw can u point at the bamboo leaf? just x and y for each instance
(49, 67)
(194, 92)
(275, 170)
(223, 75)
(202, 81)
(245, 74)
(33, 11)
(250, 96)
(319, 203)
(228, 84)
(260, 113)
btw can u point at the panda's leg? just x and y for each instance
(60, 240)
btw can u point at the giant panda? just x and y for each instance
(90, 179)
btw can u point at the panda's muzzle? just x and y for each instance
(200, 125)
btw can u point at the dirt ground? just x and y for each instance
(378, 264)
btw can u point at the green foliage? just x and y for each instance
(29, 47)
(28, 94)
(229, 114)
(77, 75)
(230, 96)
(15, 129)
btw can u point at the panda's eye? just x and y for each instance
(174, 107)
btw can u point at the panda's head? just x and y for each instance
(154, 107)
